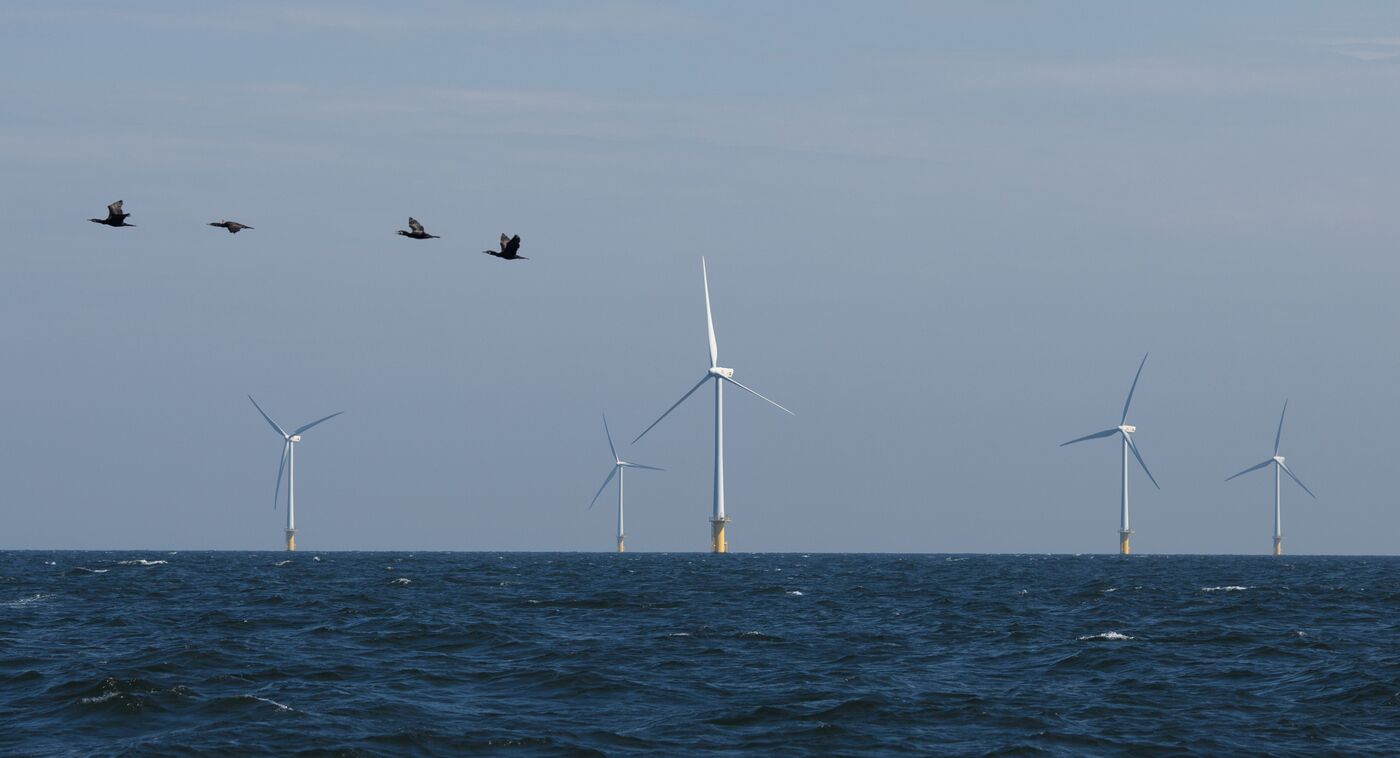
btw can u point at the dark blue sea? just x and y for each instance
(161, 653)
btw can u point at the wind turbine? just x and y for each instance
(289, 464)
(1125, 430)
(719, 376)
(619, 469)
(1279, 465)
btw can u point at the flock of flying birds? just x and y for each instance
(510, 246)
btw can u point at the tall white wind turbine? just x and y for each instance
(288, 463)
(619, 470)
(1279, 465)
(719, 376)
(1125, 430)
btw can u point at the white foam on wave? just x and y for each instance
(401, 581)
(26, 601)
(280, 706)
(283, 563)
(1228, 588)
(1110, 635)
(91, 571)
(100, 698)
(796, 593)
(316, 558)
(50, 563)
(141, 562)
(679, 634)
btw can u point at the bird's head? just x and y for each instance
(98, 220)
(401, 233)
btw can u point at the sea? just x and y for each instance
(396, 653)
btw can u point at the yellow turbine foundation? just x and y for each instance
(717, 542)
(620, 547)
(291, 540)
(1123, 547)
(1278, 546)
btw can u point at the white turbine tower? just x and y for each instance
(289, 464)
(1279, 465)
(719, 376)
(1125, 430)
(619, 469)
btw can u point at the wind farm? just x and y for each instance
(940, 231)
(1277, 461)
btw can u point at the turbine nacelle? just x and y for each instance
(294, 438)
(723, 373)
(1127, 428)
(1278, 459)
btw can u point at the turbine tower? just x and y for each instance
(1279, 465)
(619, 469)
(1125, 430)
(289, 464)
(719, 376)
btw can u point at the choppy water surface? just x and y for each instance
(395, 653)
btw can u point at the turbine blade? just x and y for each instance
(303, 428)
(269, 418)
(1291, 475)
(608, 432)
(276, 491)
(1133, 447)
(709, 319)
(747, 389)
(611, 474)
(1255, 467)
(704, 379)
(1093, 436)
(1279, 437)
(638, 465)
(1132, 389)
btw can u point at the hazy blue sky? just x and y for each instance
(943, 233)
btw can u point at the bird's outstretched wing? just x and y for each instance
(510, 247)
(504, 241)
(414, 225)
(115, 209)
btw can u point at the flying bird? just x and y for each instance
(510, 249)
(233, 227)
(417, 232)
(115, 217)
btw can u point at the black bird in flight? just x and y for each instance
(510, 249)
(417, 232)
(115, 217)
(233, 227)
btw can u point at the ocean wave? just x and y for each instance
(141, 562)
(795, 593)
(283, 563)
(401, 581)
(26, 600)
(1110, 635)
(1228, 588)
(270, 701)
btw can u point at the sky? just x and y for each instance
(944, 234)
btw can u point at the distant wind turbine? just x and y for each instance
(289, 464)
(1126, 431)
(619, 469)
(719, 376)
(1279, 465)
